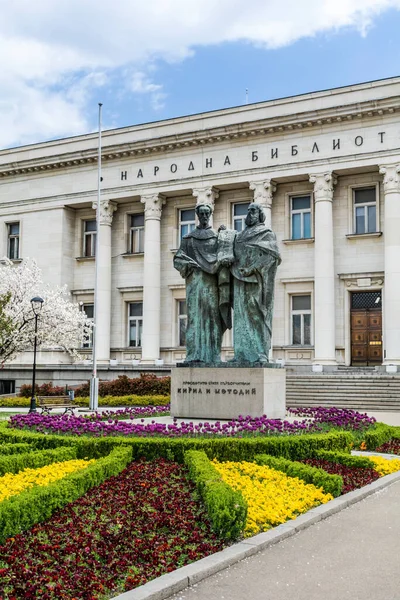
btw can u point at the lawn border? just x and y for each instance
(176, 581)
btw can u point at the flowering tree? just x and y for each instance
(60, 325)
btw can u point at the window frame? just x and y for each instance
(301, 312)
(89, 234)
(141, 237)
(182, 223)
(139, 324)
(240, 217)
(364, 205)
(180, 317)
(300, 211)
(11, 238)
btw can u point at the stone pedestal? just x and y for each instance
(226, 392)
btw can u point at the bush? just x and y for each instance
(36, 459)
(292, 447)
(37, 504)
(6, 449)
(342, 458)
(331, 484)
(226, 507)
(379, 435)
(46, 389)
(147, 384)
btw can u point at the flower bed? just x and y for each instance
(272, 497)
(242, 426)
(391, 447)
(13, 484)
(134, 527)
(128, 413)
(385, 466)
(353, 477)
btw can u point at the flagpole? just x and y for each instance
(94, 382)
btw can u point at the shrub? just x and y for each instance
(379, 435)
(6, 449)
(37, 504)
(147, 384)
(46, 389)
(130, 400)
(33, 460)
(331, 484)
(226, 507)
(345, 459)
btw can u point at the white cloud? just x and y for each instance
(55, 55)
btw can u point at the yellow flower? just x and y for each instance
(272, 497)
(385, 466)
(11, 485)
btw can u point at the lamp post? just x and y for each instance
(37, 304)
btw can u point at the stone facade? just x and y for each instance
(323, 146)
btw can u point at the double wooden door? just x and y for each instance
(366, 336)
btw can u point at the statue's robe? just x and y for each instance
(207, 295)
(256, 260)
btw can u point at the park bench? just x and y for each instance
(47, 403)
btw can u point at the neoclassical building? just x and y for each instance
(324, 165)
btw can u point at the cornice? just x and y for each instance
(264, 128)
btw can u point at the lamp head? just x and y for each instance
(37, 303)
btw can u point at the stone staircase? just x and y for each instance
(362, 389)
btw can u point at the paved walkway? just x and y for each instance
(354, 554)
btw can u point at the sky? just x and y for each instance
(148, 60)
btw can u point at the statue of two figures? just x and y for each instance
(228, 270)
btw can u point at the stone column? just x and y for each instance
(103, 316)
(391, 236)
(324, 271)
(263, 194)
(152, 278)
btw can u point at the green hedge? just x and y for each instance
(345, 459)
(130, 400)
(33, 460)
(37, 504)
(14, 448)
(379, 435)
(331, 484)
(292, 447)
(226, 507)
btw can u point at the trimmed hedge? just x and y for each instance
(34, 460)
(6, 449)
(148, 384)
(292, 447)
(37, 504)
(345, 459)
(331, 484)
(379, 435)
(226, 507)
(130, 400)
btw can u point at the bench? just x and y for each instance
(46, 403)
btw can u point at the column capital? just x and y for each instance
(153, 204)
(391, 179)
(323, 185)
(263, 191)
(107, 210)
(205, 195)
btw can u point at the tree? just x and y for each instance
(61, 324)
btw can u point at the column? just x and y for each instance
(103, 305)
(263, 194)
(324, 271)
(152, 278)
(391, 237)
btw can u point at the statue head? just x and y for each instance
(204, 212)
(255, 215)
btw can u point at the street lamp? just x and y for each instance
(37, 304)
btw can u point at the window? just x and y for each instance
(301, 320)
(239, 216)
(364, 210)
(88, 339)
(182, 322)
(187, 222)
(7, 386)
(136, 239)
(300, 214)
(135, 323)
(13, 241)
(89, 238)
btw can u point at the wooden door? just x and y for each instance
(366, 336)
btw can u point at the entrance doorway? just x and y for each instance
(366, 328)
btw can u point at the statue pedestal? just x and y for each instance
(227, 392)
